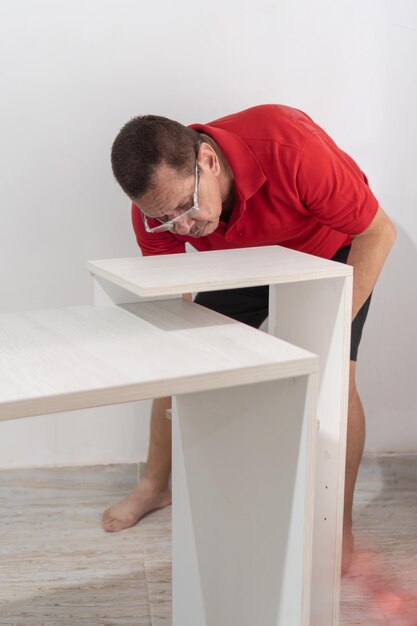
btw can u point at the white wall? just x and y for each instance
(72, 72)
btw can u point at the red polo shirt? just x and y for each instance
(294, 187)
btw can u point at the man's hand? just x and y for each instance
(187, 296)
(367, 256)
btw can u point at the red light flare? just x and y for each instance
(381, 586)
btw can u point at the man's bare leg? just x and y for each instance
(354, 450)
(153, 491)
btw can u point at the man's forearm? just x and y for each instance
(367, 256)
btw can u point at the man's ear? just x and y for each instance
(208, 159)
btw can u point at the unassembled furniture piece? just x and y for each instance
(244, 417)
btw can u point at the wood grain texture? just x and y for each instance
(57, 565)
(381, 588)
(78, 357)
(58, 568)
(219, 269)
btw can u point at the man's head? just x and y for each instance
(154, 160)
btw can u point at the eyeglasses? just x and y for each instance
(170, 224)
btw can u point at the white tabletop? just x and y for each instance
(57, 360)
(220, 269)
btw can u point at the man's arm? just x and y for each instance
(367, 256)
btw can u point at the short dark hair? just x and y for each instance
(146, 142)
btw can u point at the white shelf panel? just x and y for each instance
(220, 269)
(243, 490)
(78, 357)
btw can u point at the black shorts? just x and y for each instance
(250, 305)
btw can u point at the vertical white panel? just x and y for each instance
(242, 517)
(316, 316)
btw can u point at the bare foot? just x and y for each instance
(347, 550)
(144, 499)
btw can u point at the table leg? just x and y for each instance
(243, 476)
(316, 316)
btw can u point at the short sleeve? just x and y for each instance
(332, 187)
(156, 243)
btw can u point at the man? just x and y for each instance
(267, 175)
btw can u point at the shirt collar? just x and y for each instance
(248, 175)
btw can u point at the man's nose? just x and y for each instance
(184, 226)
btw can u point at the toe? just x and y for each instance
(107, 524)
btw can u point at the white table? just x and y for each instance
(244, 428)
(310, 306)
(244, 419)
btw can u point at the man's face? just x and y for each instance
(172, 194)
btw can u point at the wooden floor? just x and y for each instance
(58, 567)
